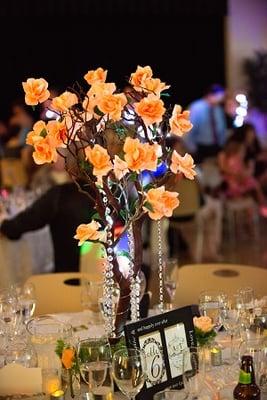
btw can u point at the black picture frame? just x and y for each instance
(162, 336)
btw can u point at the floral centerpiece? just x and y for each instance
(70, 364)
(204, 331)
(109, 139)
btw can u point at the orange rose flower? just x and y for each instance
(38, 133)
(138, 78)
(58, 131)
(88, 232)
(35, 91)
(179, 121)
(99, 158)
(93, 76)
(153, 152)
(112, 105)
(100, 89)
(64, 101)
(45, 151)
(135, 154)
(150, 109)
(120, 167)
(162, 203)
(183, 164)
(67, 358)
(155, 86)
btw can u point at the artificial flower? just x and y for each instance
(204, 330)
(120, 167)
(135, 154)
(89, 232)
(65, 101)
(97, 75)
(99, 158)
(184, 164)
(35, 91)
(139, 77)
(154, 86)
(45, 151)
(160, 203)
(112, 105)
(38, 133)
(68, 357)
(179, 121)
(58, 131)
(203, 323)
(150, 109)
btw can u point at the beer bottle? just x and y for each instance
(246, 389)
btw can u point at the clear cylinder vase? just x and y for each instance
(71, 383)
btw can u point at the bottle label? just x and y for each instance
(244, 377)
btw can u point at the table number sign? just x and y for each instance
(163, 338)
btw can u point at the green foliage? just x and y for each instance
(204, 338)
(43, 133)
(148, 206)
(119, 345)
(60, 347)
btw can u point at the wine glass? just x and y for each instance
(27, 300)
(211, 304)
(94, 356)
(170, 276)
(246, 304)
(129, 371)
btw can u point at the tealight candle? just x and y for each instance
(216, 356)
(51, 381)
(57, 395)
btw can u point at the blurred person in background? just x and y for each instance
(209, 131)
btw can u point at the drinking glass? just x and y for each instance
(27, 300)
(129, 371)
(211, 304)
(231, 320)
(9, 311)
(90, 294)
(94, 362)
(170, 276)
(193, 371)
(247, 300)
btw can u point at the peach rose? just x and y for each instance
(112, 105)
(45, 151)
(99, 158)
(150, 109)
(135, 154)
(88, 232)
(93, 76)
(138, 78)
(64, 101)
(203, 323)
(58, 131)
(99, 89)
(161, 203)
(38, 133)
(179, 121)
(183, 164)
(120, 167)
(155, 86)
(67, 358)
(35, 91)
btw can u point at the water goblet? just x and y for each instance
(211, 304)
(170, 276)
(27, 300)
(129, 371)
(94, 356)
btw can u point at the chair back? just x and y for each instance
(189, 196)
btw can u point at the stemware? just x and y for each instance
(211, 304)
(170, 394)
(170, 275)
(129, 371)
(9, 311)
(27, 300)
(94, 356)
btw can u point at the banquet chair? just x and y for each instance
(59, 292)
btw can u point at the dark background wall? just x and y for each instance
(182, 40)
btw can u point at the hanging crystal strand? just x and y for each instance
(109, 277)
(160, 264)
(134, 282)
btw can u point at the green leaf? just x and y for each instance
(60, 347)
(96, 216)
(148, 206)
(148, 186)
(165, 95)
(98, 112)
(133, 177)
(85, 165)
(123, 214)
(43, 133)
(124, 253)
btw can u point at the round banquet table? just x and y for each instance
(194, 278)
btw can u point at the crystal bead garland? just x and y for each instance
(109, 277)
(134, 282)
(160, 264)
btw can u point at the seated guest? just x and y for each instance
(63, 208)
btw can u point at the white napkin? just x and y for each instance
(17, 379)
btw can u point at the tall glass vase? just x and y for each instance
(71, 383)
